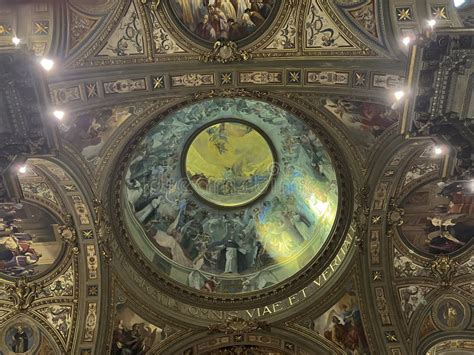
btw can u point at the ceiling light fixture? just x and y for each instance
(399, 95)
(59, 114)
(22, 169)
(47, 64)
(438, 150)
(458, 3)
(432, 23)
(406, 40)
(16, 41)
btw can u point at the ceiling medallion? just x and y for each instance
(229, 163)
(205, 206)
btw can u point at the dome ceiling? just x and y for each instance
(235, 175)
(230, 195)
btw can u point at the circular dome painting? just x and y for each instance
(231, 20)
(230, 195)
(229, 164)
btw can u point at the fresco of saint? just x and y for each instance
(231, 20)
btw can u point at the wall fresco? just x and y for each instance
(133, 335)
(28, 240)
(439, 217)
(342, 324)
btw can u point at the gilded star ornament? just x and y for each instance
(158, 82)
(5, 29)
(377, 275)
(41, 27)
(294, 77)
(439, 12)
(92, 91)
(360, 79)
(226, 78)
(404, 14)
(391, 337)
(88, 234)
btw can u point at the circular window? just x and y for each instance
(230, 205)
(229, 163)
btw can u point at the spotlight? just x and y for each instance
(47, 64)
(399, 95)
(459, 3)
(59, 114)
(406, 40)
(22, 169)
(16, 41)
(438, 150)
(432, 23)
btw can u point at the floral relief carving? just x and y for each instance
(406, 267)
(59, 317)
(164, 42)
(127, 38)
(286, 36)
(321, 32)
(412, 297)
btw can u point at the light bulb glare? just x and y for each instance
(22, 169)
(406, 40)
(432, 23)
(59, 114)
(458, 3)
(399, 95)
(438, 150)
(16, 41)
(47, 64)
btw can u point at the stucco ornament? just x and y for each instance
(226, 52)
(22, 294)
(444, 269)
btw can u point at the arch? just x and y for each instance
(281, 341)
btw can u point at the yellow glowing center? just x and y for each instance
(229, 164)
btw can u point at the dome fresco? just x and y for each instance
(229, 164)
(254, 216)
(231, 20)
